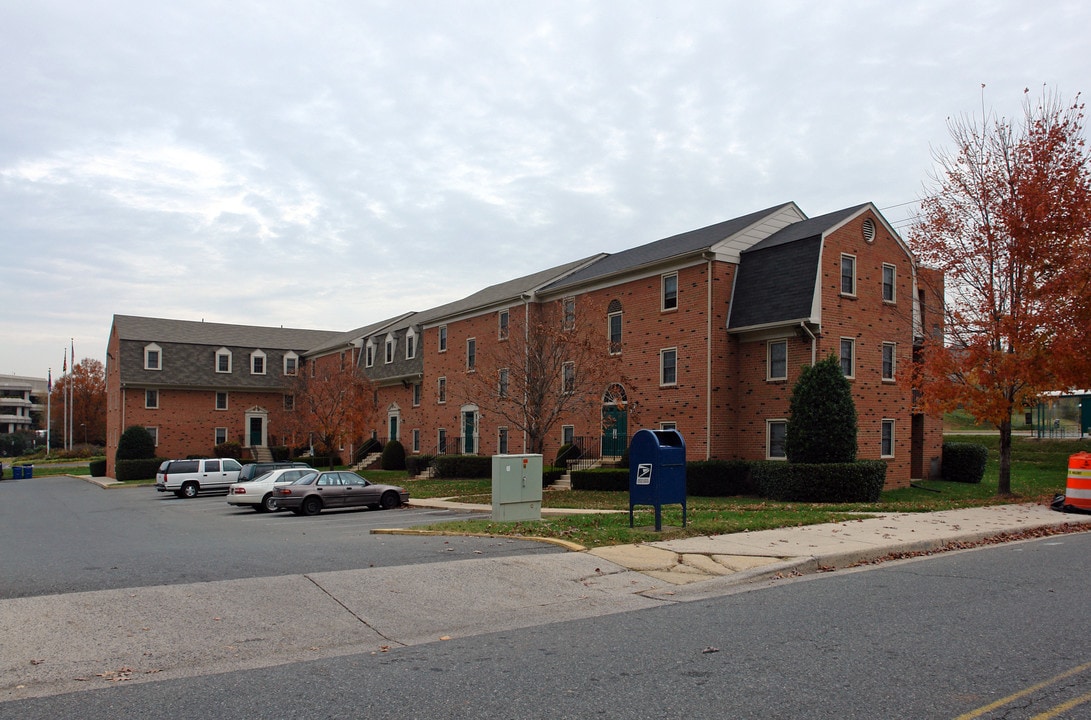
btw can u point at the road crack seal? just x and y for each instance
(349, 610)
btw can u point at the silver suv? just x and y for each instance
(186, 478)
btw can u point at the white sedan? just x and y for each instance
(258, 493)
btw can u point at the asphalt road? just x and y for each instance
(989, 633)
(62, 535)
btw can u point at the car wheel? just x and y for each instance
(311, 505)
(390, 500)
(268, 503)
(190, 489)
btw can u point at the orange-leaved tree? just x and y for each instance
(1008, 221)
(332, 407)
(88, 403)
(554, 363)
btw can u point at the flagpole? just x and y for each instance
(72, 400)
(48, 411)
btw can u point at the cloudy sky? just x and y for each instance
(326, 164)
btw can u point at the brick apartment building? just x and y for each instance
(706, 332)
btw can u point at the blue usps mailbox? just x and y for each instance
(657, 472)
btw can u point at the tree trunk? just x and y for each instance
(1004, 482)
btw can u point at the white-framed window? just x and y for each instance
(289, 401)
(848, 274)
(668, 426)
(416, 394)
(443, 338)
(223, 360)
(151, 399)
(391, 345)
(890, 354)
(221, 401)
(291, 364)
(369, 353)
(668, 366)
(503, 382)
(502, 441)
(887, 442)
(441, 390)
(410, 344)
(416, 440)
(221, 436)
(441, 441)
(848, 357)
(775, 433)
(257, 363)
(471, 354)
(153, 357)
(568, 434)
(776, 362)
(502, 320)
(154, 432)
(670, 291)
(568, 321)
(613, 332)
(568, 377)
(890, 275)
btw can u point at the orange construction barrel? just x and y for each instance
(1078, 492)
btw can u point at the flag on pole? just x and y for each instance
(49, 382)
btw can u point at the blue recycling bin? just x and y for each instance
(28, 471)
(657, 472)
(17, 472)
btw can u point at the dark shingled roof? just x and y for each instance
(675, 246)
(158, 330)
(777, 277)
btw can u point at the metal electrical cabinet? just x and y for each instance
(516, 487)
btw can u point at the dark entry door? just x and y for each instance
(614, 431)
(255, 431)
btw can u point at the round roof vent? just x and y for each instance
(869, 230)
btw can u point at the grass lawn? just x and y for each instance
(1039, 471)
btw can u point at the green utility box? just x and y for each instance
(516, 487)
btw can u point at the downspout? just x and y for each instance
(814, 341)
(708, 364)
(525, 297)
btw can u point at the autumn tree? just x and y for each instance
(332, 406)
(88, 403)
(1008, 221)
(552, 365)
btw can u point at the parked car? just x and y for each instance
(337, 489)
(251, 471)
(258, 493)
(186, 478)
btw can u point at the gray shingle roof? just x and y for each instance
(159, 330)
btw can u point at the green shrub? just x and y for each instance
(141, 469)
(820, 482)
(718, 478)
(613, 479)
(964, 462)
(320, 462)
(463, 466)
(136, 443)
(98, 468)
(230, 449)
(393, 457)
(567, 452)
(416, 464)
(280, 453)
(821, 416)
(551, 474)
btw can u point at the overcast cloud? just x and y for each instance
(329, 164)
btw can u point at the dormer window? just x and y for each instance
(223, 360)
(291, 364)
(369, 354)
(390, 345)
(257, 363)
(410, 344)
(153, 357)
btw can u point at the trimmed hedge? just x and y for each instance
(611, 479)
(463, 466)
(98, 468)
(551, 475)
(416, 464)
(137, 469)
(280, 453)
(718, 478)
(860, 481)
(319, 462)
(964, 462)
(393, 457)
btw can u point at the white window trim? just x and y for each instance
(389, 349)
(471, 358)
(663, 292)
(146, 405)
(893, 362)
(840, 275)
(503, 382)
(416, 440)
(153, 430)
(441, 389)
(503, 325)
(893, 437)
(223, 352)
(416, 394)
(893, 300)
(609, 332)
(662, 353)
(769, 360)
(291, 356)
(852, 360)
(227, 401)
(501, 432)
(769, 437)
(442, 339)
(264, 362)
(410, 344)
(153, 348)
(568, 312)
(216, 436)
(570, 429)
(568, 377)
(369, 354)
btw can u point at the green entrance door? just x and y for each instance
(615, 431)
